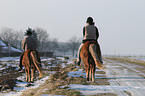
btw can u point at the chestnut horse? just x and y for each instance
(31, 61)
(90, 54)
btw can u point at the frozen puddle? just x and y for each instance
(82, 73)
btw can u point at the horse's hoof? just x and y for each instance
(87, 79)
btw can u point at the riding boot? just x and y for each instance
(79, 58)
(20, 63)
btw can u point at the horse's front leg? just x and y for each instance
(87, 73)
(86, 64)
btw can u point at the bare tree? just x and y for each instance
(20, 38)
(17, 38)
(8, 35)
(0, 51)
(54, 44)
(43, 39)
(14, 38)
(73, 44)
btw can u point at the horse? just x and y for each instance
(31, 61)
(90, 54)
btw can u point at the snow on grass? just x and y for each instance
(63, 65)
(21, 86)
(15, 50)
(9, 58)
(76, 73)
(61, 58)
(2, 43)
(46, 59)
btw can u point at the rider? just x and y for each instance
(90, 33)
(28, 43)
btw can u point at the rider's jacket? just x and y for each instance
(90, 33)
(29, 43)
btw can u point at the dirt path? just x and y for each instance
(117, 79)
(125, 79)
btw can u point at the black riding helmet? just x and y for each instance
(28, 32)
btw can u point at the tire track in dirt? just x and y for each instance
(127, 77)
(123, 80)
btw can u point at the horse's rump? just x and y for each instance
(90, 56)
(85, 49)
(86, 53)
(28, 60)
(31, 61)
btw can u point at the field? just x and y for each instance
(120, 77)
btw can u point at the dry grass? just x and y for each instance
(60, 78)
(52, 86)
(81, 80)
(126, 60)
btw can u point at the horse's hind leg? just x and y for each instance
(90, 74)
(29, 74)
(26, 71)
(85, 60)
(32, 74)
(38, 67)
(93, 74)
(87, 72)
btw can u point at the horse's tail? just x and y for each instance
(36, 62)
(92, 50)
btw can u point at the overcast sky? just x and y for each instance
(121, 23)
